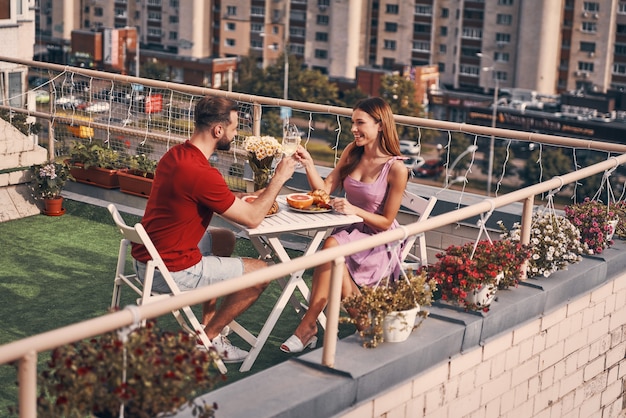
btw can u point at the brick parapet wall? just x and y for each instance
(568, 363)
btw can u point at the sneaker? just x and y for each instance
(228, 352)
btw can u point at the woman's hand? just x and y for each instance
(303, 156)
(342, 205)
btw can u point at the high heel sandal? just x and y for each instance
(294, 345)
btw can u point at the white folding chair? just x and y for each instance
(423, 207)
(187, 319)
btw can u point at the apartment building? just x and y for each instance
(548, 46)
(17, 28)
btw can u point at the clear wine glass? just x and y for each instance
(291, 140)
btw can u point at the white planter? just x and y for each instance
(613, 225)
(482, 297)
(397, 326)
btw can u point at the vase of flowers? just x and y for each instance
(151, 373)
(261, 152)
(387, 312)
(464, 271)
(593, 220)
(555, 243)
(48, 182)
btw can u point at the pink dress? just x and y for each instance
(368, 266)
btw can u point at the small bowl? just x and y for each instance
(299, 200)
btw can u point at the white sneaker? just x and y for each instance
(228, 352)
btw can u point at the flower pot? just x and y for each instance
(96, 176)
(397, 326)
(134, 183)
(482, 297)
(54, 206)
(612, 226)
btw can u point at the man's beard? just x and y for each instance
(223, 144)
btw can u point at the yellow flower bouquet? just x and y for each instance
(261, 152)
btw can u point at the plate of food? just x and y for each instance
(273, 210)
(316, 201)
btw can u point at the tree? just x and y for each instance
(155, 70)
(545, 163)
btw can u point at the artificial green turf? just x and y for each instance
(58, 271)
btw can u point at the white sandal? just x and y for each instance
(294, 345)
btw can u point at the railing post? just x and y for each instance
(256, 119)
(27, 381)
(332, 313)
(527, 219)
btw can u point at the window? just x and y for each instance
(442, 67)
(275, 30)
(500, 75)
(505, 2)
(620, 49)
(590, 27)
(421, 46)
(231, 10)
(585, 66)
(621, 29)
(443, 48)
(472, 33)
(388, 63)
(321, 53)
(299, 15)
(389, 44)
(173, 18)
(423, 10)
(621, 8)
(391, 27)
(174, 3)
(230, 26)
(296, 49)
(154, 32)
(154, 2)
(421, 28)
(619, 69)
(503, 38)
(392, 9)
(591, 6)
(257, 11)
(322, 20)
(502, 19)
(323, 3)
(156, 16)
(173, 36)
(120, 12)
(473, 14)
(256, 43)
(589, 46)
(445, 12)
(501, 56)
(296, 32)
(254, 27)
(467, 51)
(470, 70)
(321, 36)
(443, 31)
(97, 11)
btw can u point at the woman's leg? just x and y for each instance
(319, 295)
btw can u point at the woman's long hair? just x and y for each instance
(381, 112)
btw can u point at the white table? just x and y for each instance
(266, 240)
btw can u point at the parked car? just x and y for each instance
(413, 163)
(409, 147)
(430, 168)
(97, 107)
(42, 97)
(68, 102)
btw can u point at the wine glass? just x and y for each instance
(291, 140)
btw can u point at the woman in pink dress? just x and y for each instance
(373, 177)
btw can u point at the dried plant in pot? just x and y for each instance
(152, 373)
(369, 308)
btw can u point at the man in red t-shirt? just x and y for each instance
(186, 192)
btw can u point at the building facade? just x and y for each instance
(17, 28)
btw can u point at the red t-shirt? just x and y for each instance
(185, 193)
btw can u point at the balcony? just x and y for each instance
(547, 336)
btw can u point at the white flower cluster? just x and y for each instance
(555, 243)
(263, 147)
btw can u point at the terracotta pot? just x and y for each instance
(134, 183)
(96, 176)
(54, 206)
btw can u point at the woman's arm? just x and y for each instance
(331, 182)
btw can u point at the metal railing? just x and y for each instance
(25, 351)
